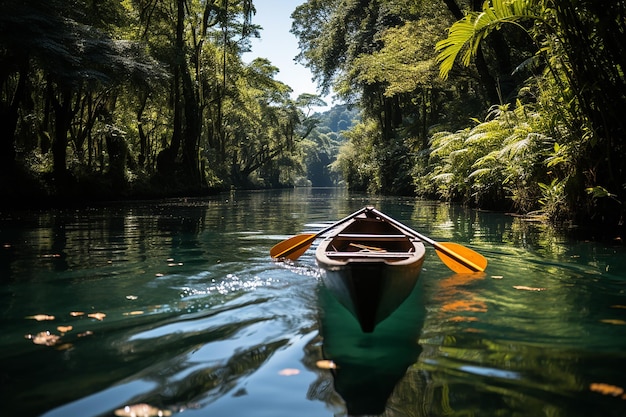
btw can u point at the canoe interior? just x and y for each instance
(371, 240)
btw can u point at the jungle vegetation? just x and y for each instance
(506, 104)
(140, 98)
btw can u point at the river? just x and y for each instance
(176, 304)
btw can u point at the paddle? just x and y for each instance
(295, 246)
(455, 256)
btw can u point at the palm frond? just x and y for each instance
(465, 35)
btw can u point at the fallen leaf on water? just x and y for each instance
(41, 317)
(141, 410)
(606, 389)
(64, 346)
(44, 338)
(134, 313)
(76, 313)
(613, 321)
(97, 316)
(64, 329)
(326, 364)
(525, 288)
(289, 372)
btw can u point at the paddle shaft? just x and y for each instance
(310, 239)
(462, 260)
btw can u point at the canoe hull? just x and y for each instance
(374, 282)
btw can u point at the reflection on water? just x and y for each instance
(197, 318)
(369, 365)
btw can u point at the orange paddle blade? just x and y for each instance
(293, 247)
(459, 258)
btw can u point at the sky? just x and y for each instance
(280, 46)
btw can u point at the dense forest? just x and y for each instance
(507, 104)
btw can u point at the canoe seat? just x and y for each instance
(385, 255)
(370, 237)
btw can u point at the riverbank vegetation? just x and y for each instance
(512, 105)
(134, 98)
(509, 104)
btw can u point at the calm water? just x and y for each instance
(196, 319)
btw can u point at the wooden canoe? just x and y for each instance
(370, 265)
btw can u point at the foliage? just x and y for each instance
(500, 159)
(577, 101)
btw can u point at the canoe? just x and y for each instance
(370, 265)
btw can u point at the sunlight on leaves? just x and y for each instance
(326, 364)
(41, 317)
(65, 329)
(289, 372)
(97, 316)
(525, 288)
(141, 410)
(77, 313)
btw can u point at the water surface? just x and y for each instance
(196, 319)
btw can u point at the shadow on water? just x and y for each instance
(369, 365)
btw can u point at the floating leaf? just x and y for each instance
(44, 338)
(64, 346)
(525, 288)
(606, 389)
(41, 317)
(97, 316)
(64, 329)
(76, 313)
(141, 410)
(613, 321)
(134, 313)
(326, 364)
(289, 372)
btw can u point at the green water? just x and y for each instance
(198, 321)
